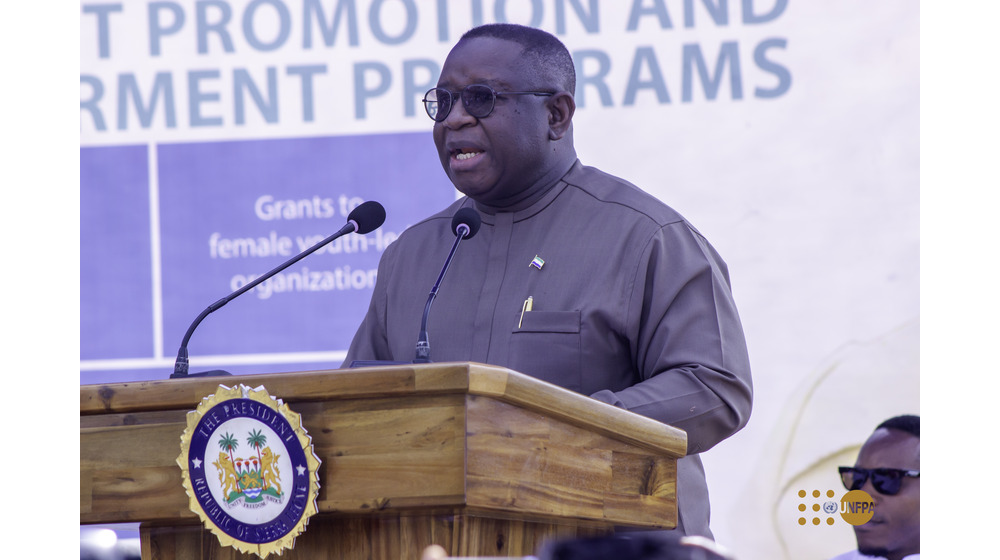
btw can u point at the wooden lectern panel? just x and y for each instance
(479, 459)
(519, 461)
(389, 537)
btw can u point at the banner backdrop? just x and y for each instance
(221, 137)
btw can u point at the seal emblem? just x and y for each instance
(249, 469)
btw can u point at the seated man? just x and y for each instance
(888, 468)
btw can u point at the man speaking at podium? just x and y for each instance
(576, 277)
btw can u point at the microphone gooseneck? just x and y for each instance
(365, 218)
(464, 225)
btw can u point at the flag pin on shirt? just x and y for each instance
(537, 262)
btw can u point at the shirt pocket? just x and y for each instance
(547, 346)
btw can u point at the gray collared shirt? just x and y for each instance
(630, 305)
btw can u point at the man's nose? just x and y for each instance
(458, 116)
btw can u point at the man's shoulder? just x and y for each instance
(607, 188)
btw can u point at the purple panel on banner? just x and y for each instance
(231, 211)
(116, 303)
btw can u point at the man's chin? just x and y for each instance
(473, 189)
(871, 540)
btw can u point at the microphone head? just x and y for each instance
(367, 217)
(469, 218)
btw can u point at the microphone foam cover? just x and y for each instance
(368, 216)
(470, 218)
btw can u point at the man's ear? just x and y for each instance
(561, 108)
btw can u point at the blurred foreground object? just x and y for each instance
(434, 552)
(640, 546)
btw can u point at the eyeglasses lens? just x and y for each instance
(853, 479)
(885, 481)
(437, 102)
(478, 100)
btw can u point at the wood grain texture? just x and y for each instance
(519, 460)
(128, 469)
(481, 460)
(387, 537)
(382, 453)
(414, 379)
(555, 402)
(376, 454)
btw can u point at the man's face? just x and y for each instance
(496, 159)
(894, 530)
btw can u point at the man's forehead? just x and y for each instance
(896, 448)
(483, 60)
(452, 83)
(457, 83)
(493, 45)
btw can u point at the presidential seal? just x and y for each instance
(249, 470)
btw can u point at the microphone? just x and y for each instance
(367, 217)
(464, 225)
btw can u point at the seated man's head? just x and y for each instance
(888, 468)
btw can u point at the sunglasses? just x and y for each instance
(478, 100)
(885, 481)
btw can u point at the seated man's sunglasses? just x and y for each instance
(885, 481)
(478, 100)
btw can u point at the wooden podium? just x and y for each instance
(481, 460)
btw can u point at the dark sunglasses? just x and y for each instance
(885, 481)
(478, 100)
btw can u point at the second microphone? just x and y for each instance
(464, 225)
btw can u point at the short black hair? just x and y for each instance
(547, 54)
(908, 423)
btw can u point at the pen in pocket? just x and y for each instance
(525, 307)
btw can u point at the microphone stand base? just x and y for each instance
(375, 363)
(209, 373)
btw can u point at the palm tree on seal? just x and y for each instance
(228, 442)
(257, 440)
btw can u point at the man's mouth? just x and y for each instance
(871, 525)
(463, 154)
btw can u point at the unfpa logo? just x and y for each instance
(856, 507)
(817, 507)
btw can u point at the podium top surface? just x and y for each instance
(393, 381)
